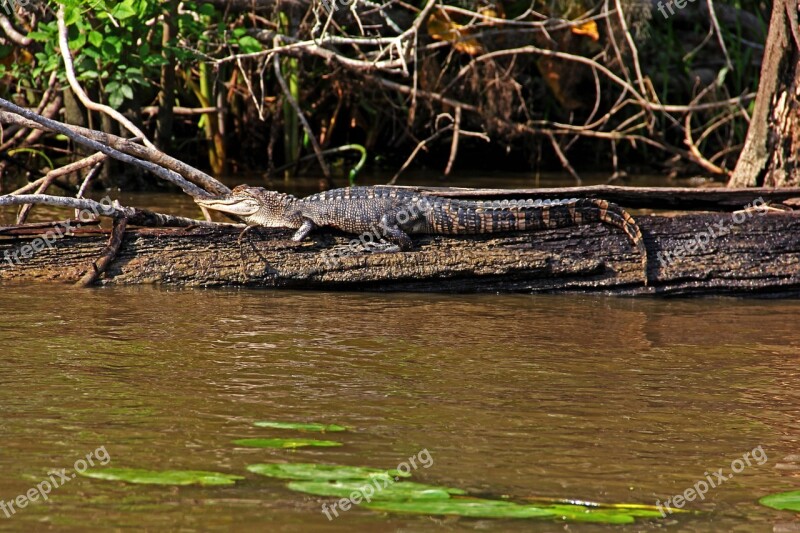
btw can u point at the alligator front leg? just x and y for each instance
(304, 230)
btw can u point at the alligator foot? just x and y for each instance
(380, 248)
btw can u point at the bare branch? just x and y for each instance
(63, 44)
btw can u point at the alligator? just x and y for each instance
(393, 213)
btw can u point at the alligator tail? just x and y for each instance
(459, 216)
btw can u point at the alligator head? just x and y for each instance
(257, 207)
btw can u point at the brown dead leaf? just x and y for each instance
(441, 28)
(589, 29)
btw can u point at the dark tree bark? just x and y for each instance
(757, 253)
(770, 154)
(166, 96)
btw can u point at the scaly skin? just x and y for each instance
(395, 213)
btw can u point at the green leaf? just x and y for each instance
(473, 508)
(96, 38)
(164, 477)
(91, 53)
(126, 90)
(154, 61)
(134, 74)
(249, 45)
(78, 42)
(108, 50)
(114, 43)
(72, 14)
(480, 508)
(89, 75)
(377, 489)
(39, 36)
(207, 10)
(580, 513)
(115, 99)
(783, 501)
(123, 10)
(321, 472)
(301, 426)
(285, 443)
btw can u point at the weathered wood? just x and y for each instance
(759, 254)
(681, 198)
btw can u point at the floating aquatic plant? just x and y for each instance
(162, 477)
(285, 443)
(323, 428)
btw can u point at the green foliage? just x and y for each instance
(301, 426)
(482, 508)
(115, 45)
(390, 490)
(783, 501)
(320, 472)
(286, 443)
(386, 490)
(163, 477)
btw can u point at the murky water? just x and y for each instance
(605, 399)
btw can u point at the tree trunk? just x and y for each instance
(166, 96)
(770, 153)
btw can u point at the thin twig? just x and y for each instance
(715, 23)
(97, 268)
(306, 126)
(563, 158)
(416, 150)
(50, 177)
(135, 216)
(454, 143)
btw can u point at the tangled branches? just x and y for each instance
(571, 83)
(527, 78)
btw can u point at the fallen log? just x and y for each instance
(742, 253)
(674, 198)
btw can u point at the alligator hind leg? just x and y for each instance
(392, 233)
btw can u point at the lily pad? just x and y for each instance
(162, 477)
(479, 508)
(285, 443)
(332, 428)
(608, 515)
(783, 501)
(320, 472)
(472, 508)
(632, 509)
(376, 489)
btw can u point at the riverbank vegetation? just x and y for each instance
(622, 85)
